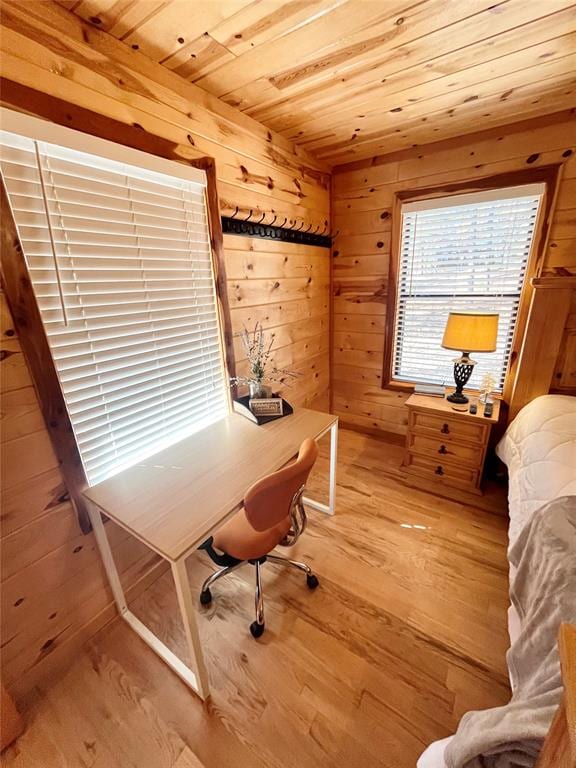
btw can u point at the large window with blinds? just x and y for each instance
(117, 246)
(460, 253)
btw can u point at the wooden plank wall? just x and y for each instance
(53, 593)
(564, 381)
(361, 210)
(52, 581)
(46, 48)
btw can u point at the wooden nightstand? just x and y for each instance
(445, 446)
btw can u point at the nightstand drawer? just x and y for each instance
(443, 472)
(448, 428)
(445, 450)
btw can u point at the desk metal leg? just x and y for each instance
(329, 508)
(190, 626)
(196, 679)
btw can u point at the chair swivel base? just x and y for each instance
(205, 597)
(256, 630)
(257, 627)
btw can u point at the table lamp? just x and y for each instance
(473, 332)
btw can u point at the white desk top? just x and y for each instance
(175, 499)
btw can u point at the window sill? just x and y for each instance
(408, 386)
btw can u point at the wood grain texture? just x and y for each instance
(12, 725)
(354, 78)
(99, 86)
(54, 594)
(445, 447)
(406, 633)
(559, 749)
(361, 259)
(58, 67)
(564, 379)
(207, 473)
(541, 348)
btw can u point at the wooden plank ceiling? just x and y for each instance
(348, 79)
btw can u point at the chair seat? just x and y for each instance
(238, 539)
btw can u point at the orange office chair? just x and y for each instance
(273, 515)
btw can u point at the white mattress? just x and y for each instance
(539, 449)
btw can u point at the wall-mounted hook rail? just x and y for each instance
(288, 231)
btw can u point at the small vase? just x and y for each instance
(257, 390)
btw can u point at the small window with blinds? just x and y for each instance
(461, 253)
(120, 261)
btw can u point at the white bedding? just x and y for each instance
(539, 449)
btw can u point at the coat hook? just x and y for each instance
(300, 227)
(316, 230)
(283, 223)
(308, 230)
(235, 213)
(249, 215)
(262, 219)
(273, 220)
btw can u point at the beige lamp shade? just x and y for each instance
(471, 332)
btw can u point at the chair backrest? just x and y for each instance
(269, 500)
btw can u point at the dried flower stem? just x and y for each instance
(258, 353)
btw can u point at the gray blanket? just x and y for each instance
(543, 590)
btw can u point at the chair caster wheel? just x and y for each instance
(312, 581)
(256, 630)
(206, 597)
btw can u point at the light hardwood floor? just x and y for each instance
(406, 632)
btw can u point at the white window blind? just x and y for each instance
(465, 252)
(120, 261)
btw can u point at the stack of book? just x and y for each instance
(242, 406)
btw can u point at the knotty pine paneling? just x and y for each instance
(284, 287)
(362, 197)
(352, 79)
(564, 381)
(53, 51)
(53, 588)
(54, 593)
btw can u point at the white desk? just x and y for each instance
(174, 500)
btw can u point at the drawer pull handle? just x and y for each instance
(439, 471)
(442, 449)
(445, 429)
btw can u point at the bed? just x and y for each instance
(539, 449)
